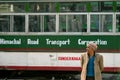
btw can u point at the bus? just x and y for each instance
(51, 35)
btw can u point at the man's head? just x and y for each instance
(91, 47)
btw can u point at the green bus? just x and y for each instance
(57, 31)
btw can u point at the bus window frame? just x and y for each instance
(57, 22)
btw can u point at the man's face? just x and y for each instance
(89, 49)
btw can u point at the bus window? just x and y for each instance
(73, 7)
(12, 7)
(101, 23)
(81, 7)
(118, 6)
(62, 23)
(49, 23)
(108, 21)
(73, 23)
(95, 6)
(42, 7)
(19, 7)
(19, 23)
(5, 7)
(34, 23)
(117, 23)
(37, 7)
(4, 23)
(107, 6)
(94, 26)
(64, 7)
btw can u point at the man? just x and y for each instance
(91, 63)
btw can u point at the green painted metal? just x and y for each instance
(114, 6)
(88, 7)
(57, 7)
(27, 7)
(59, 41)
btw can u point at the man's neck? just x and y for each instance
(91, 54)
